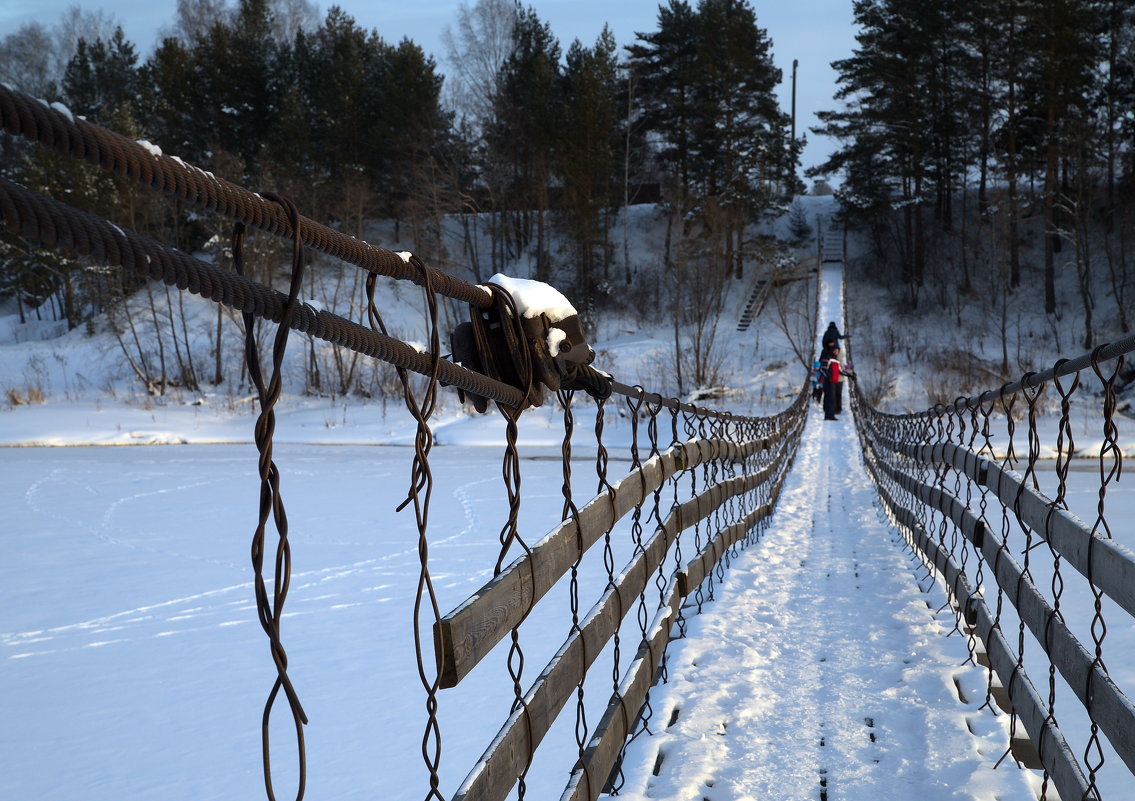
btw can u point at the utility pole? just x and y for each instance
(795, 64)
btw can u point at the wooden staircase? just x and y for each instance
(763, 285)
(831, 242)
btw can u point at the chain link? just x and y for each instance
(571, 511)
(271, 610)
(1111, 468)
(419, 496)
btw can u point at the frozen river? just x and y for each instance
(133, 665)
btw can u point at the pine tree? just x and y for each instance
(101, 78)
(586, 157)
(412, 170)
(1063, 39)
(236, 68)
(740, 132)
(903, 130)
(171, 99)
(707, 81)
(526, 125)
(335, 68)
(666, 63)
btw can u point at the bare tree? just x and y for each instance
(794, 313)
(289, 17)
(34, 58)
(76, 24)
(26, 59)
(195, 18)
(696, 289)
(475, 50)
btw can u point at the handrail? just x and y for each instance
(467, 634)
(1108, 563)
(914, 458)
(1059, 759)
(52, 126)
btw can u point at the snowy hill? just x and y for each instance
(82, 386)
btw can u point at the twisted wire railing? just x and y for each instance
(1008, 548)
(707, 475)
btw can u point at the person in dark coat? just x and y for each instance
(831, 338)
(834, 377)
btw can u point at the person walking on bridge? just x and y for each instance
(830, 340)
(834, 374)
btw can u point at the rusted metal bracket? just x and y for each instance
(533, 354)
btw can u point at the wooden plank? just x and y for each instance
(506, 757)
(1112, 565)
(613, 728)
(1110, 707)
(509, 753)
(469, 632)
(587, 779)
(1059, 759)
(698, 567)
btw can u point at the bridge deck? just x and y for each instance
(822, 669)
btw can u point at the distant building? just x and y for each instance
(821, 187)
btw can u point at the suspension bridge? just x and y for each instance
(775, 598)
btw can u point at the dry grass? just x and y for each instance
(27, 397)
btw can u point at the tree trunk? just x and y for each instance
(218, 373)
(1050, 232)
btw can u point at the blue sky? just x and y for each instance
(815, 32)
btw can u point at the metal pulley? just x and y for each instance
(528, 348)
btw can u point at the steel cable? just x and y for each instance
(55, 224)
(53, 127)
(271, 610)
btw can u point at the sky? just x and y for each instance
(813, 32)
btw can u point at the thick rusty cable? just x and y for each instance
(1103, 353)
(170, 175)
(56, 224)
(629, 391)
(1029, 388)
(270, 611)
(23, 115)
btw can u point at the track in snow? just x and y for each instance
(822, 670)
